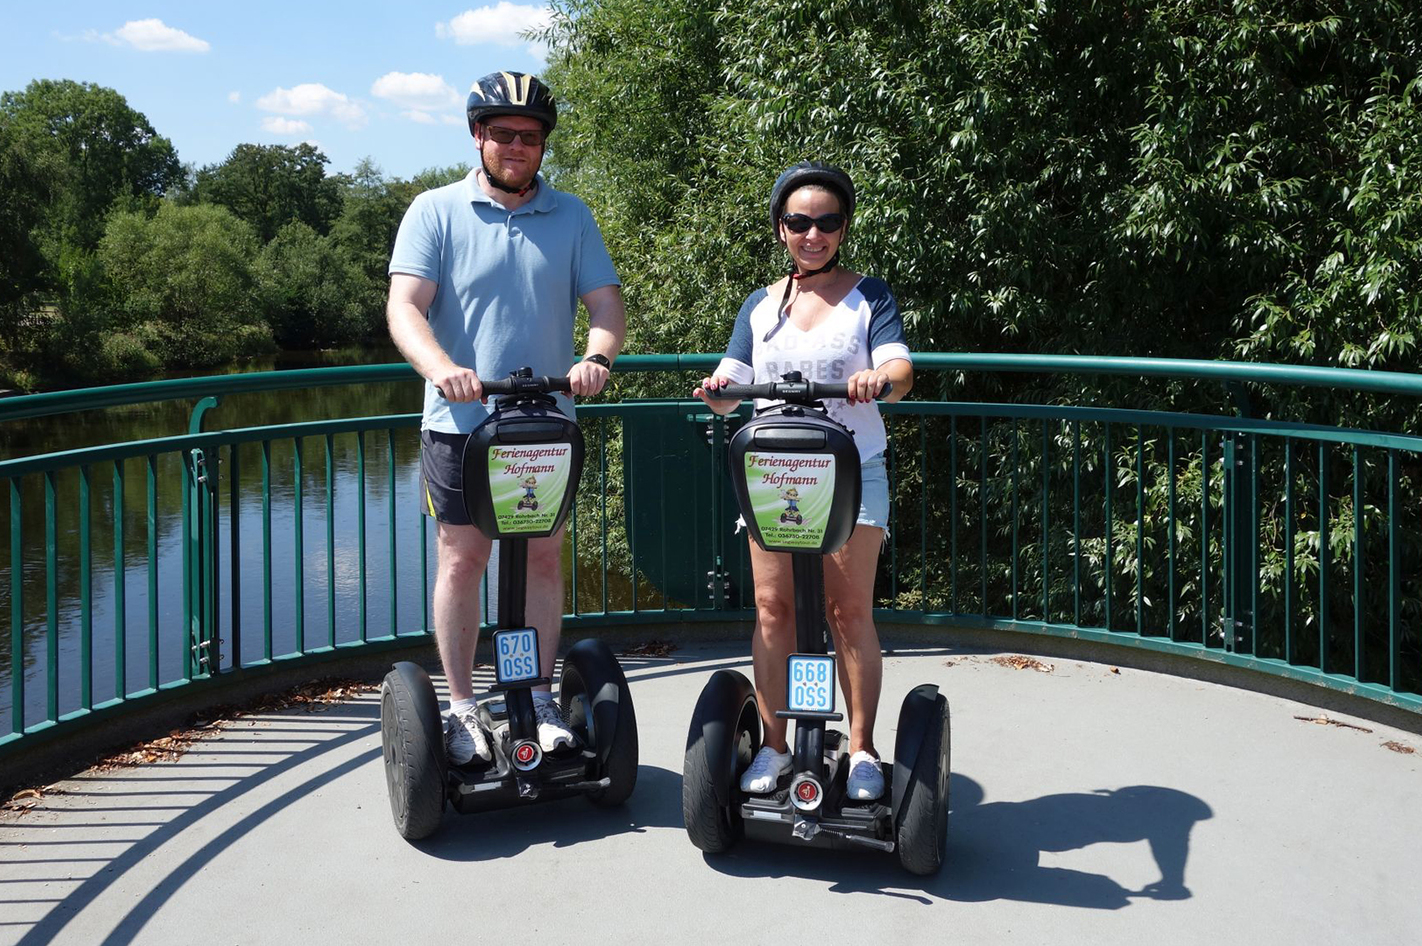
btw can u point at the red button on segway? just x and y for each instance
(807, 791)
(524, 753)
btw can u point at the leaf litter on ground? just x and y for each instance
(314, 696)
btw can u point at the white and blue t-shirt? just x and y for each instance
(509, 283)
(864, 331)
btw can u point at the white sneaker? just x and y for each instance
(464, 738)
(553, 732)
(765, 771)
(866, 780)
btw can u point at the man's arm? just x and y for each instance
(607, 329)
(405, 313)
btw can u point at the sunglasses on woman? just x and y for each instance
(800, 223)
(503, 136)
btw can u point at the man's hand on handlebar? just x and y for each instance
(458, 384)
(587, 378)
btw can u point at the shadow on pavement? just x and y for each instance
(507, 832)
(994, 850)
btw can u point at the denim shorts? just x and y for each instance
(874, 493)
(873, 496)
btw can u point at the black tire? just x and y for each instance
(412, 744)
(588, 668)
(712, 826)
(922, 838)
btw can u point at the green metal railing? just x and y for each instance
(152, 565)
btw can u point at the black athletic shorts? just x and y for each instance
(442, 477)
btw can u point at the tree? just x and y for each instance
(95, 149)
(1167, 178)
(27, 188)
(269, 186)
(313, 292)
(372, 208)
(183, 283)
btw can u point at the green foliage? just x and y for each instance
(312, 290)
(116, 262)
(95, 150)
(183, 283)
(1174, 179)
(270, 186)
(371, 210)
(27, 189)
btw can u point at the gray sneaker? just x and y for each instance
(464, 738)
(553, 732)
(765, 770)
(866, 780)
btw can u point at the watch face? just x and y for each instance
(598, 359)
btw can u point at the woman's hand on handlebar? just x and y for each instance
(865, 385)
(708, 386)
(458, 384)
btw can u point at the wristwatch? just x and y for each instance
(598, 358)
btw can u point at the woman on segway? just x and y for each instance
(832, 325)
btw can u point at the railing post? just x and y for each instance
(1241, 535)
(200, 528)
(718, 580)
(203, 657)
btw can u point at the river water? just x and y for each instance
(330, 604)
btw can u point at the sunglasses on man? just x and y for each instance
(533, 139)
(800, 223)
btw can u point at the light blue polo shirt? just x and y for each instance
(509, 283)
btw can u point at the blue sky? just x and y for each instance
(358, 79)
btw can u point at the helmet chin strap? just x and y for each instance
(789, 284)
(516, 191)
(834, 261)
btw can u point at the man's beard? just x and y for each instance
(504, 182)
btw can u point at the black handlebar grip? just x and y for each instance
(543, 384)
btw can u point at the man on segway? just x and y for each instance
(485, 278)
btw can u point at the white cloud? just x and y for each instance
(234, 97)
(416, 90)
(499, 24)
(460, 119)
(423, 118)
(285, 126)
(313, 98)
(156, 36)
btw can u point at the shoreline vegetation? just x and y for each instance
(119, 263)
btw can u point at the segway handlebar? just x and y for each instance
(793, 392)
(542, 384)
(523, 384)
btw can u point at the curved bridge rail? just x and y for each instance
(136, 568)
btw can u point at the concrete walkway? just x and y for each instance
(1075, 792)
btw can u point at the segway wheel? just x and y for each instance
(922, 836)
(597, 703)
(723, 738)
(412, 744)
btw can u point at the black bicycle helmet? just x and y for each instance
(511, 93)
(809, 172)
